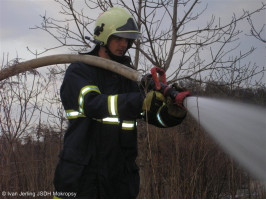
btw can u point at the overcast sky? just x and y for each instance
(17, 16)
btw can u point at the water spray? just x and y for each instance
(240, 129)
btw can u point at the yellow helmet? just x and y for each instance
(115, 21)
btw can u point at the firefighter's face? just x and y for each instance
(118, 45)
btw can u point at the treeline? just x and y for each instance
(27, 164)
(222, 90)
(178, 162)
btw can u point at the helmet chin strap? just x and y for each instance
(112, 56)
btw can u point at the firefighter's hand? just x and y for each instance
(153, 101)
(180, 94)
(175, 110)
(147, 83)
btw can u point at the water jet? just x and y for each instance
(239, 128)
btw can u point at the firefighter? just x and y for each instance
(100, 144)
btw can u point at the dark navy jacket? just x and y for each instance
(100, 144)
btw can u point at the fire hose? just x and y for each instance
(118, 68)
(70, 58)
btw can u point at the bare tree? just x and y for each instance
(168, 40)
(256, 32)
(29, 106)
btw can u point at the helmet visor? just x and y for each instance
(128, 35)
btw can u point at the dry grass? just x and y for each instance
(186, 163)
(179, 162)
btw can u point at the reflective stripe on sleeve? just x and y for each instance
(83, 92)
(159, 117)
(112, 105)
(72, 114)
(128, 125)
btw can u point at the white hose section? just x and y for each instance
(70, 58)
